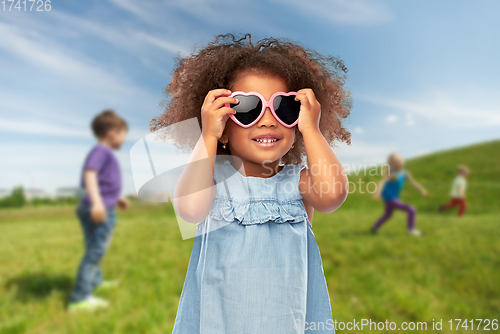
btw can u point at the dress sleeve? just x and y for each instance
(297, 169)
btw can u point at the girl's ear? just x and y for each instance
(223, 139)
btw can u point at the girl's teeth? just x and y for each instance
(266, 140)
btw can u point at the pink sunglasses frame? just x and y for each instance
(265, 105)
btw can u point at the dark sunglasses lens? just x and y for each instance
(286, 108)
(248, 110)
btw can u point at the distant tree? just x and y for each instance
(16, 199)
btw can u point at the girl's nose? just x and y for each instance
(267, 119)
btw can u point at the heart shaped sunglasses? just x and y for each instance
(252, 106)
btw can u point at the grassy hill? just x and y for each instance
(436, 172)
(450, 273)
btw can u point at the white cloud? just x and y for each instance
(409, 120)
(354, 12)
(391, 119)
(39, 155)
(444, 108)
(53, 58)
(36, 108)
(45, 129)
(53, 67)
(49, 166)
(32, 128)
(222, 13)
(131, 39)
(132, 7)
(161, 43)
(361, 153)
(358, 130)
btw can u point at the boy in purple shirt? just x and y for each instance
(101, 178)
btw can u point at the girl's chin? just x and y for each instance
(267, 158)
(261, 156)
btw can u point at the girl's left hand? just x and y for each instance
(310, 110)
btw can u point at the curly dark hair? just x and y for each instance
(217, 65)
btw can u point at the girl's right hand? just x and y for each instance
(214, 114)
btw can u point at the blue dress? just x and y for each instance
(255, 266)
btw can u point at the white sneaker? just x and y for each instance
(415, 233)
(89, 304)
(106, 285)
(100, 301)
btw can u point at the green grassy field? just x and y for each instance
(451, 273)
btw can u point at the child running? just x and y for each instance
(390, 187)
(101, 178)
(267, 105)
(457, 192)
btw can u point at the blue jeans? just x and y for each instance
(97, 238)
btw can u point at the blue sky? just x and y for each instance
(423, 74)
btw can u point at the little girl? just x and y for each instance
(390, 187)
(263, 106)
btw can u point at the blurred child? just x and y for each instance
(101, 178)
(457, 193)
(390, 187)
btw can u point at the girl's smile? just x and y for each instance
(267, 140)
